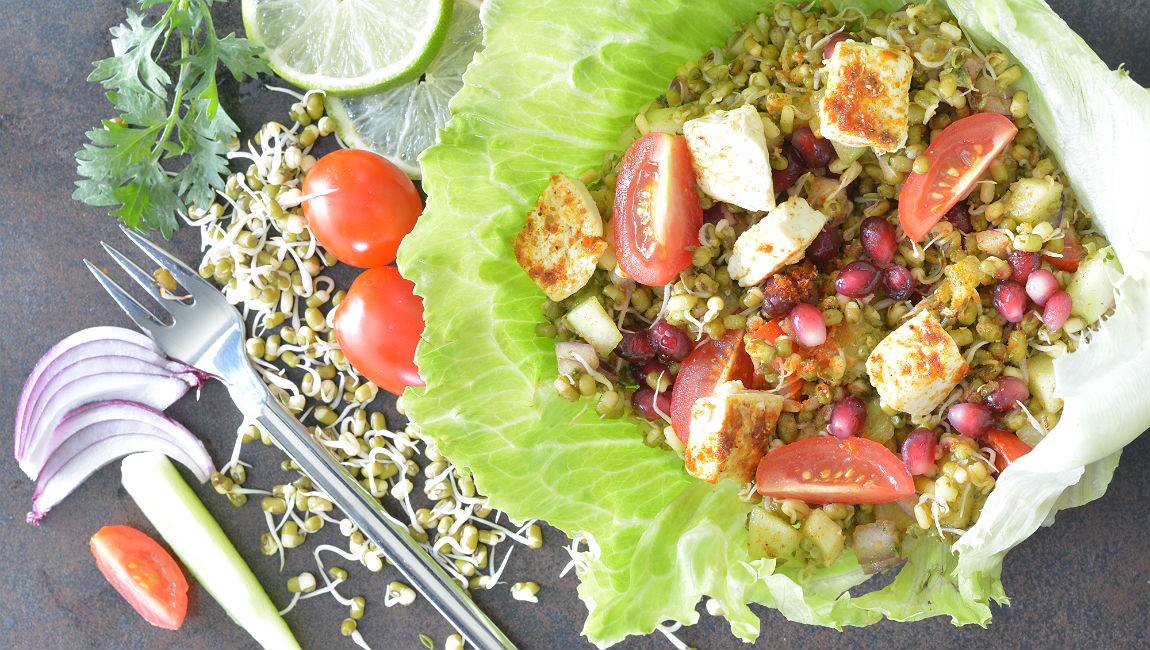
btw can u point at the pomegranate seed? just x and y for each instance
(829, 48)
(970, 419)
(1022, 264)
(1041, 285)
(807, 322)
(780, 295)
(784, 178)
(653, 366)
(1010, 390)
(645, 400)
(918, 450)
(878, 239)
(815, 151)
(825, 247)
(634, 347)
(1010, 300)
(669, 341)
(897, 282)
(716, 213)
(847, 417)
(960, 218)
(1057, 310)
(857, 279)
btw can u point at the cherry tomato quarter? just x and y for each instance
(657, 214)
(958, 157)
(832, 470)
(362, 207)
(710, 364)
(1007, 447)
(144, 573)
(378, 325)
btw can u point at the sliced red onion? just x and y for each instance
(568, 354)
(876, 546)
(96, 434)
(111, 378)
(93, 341)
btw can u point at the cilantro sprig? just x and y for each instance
(167, 148)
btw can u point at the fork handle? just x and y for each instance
(368, 514)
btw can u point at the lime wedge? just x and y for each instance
(347, 47)
(399, 123)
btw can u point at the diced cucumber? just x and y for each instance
(663, 120)
(824, 534)
(1033, 199)
(847, 153)
(1091, 288)
(890, 511)
(589, 320)
(189, 529)
(1040, 367)
(769, 536)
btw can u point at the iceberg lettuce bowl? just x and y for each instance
(554, 85)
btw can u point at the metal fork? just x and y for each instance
(209, 334)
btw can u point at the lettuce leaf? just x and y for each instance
(554, 85)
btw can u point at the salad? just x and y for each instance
(637, 505)
(867, 355)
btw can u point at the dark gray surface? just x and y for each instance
(1083, 583)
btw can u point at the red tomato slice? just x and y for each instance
(830, 470)
(1007, 447)
(1071, 255)
(657, 213)
(369, 207)
(710, 364)
(378, 326)
(144, 574)
(958, 157)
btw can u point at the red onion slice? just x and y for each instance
(96, 434)
(105, 380)
(93, 341)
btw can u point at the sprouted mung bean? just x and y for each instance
(1021, 214)
(257, 247)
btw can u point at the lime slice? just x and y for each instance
(401, 122)
(347, 47)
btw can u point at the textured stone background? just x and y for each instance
(1083, 583)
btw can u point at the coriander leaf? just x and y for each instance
(167, 148)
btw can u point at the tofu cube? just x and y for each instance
(730, 431)
(779, 238)
(867, 98)
(562, 240)
(729, 153)
(916, 366)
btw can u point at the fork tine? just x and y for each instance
(180, 271)
(142, 317)
(138, 274)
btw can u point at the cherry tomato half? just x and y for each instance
(657, 213)
(829, 470)
(369, 208)
(378, 326)
(710, 364)
(1007, 447)
(958, 157)
(144, 574)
